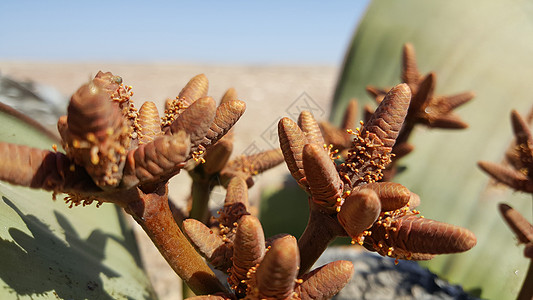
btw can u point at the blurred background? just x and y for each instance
(280, 54)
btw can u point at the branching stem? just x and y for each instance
(152, 212)
(320, 231)
(200, 192)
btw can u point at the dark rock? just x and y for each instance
(377, 277)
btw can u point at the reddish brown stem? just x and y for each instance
(320, 231)
(200, 192)
(152, 212)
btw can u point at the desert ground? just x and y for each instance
(270, 92)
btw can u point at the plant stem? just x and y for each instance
(152, 212)
(200, 191)
(320, 231)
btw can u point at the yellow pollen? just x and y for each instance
(91, 137)
(94, 155)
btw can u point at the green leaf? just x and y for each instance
(481, 46)
(48, 251)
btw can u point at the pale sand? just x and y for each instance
(268, 92)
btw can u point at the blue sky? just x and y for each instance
(225, 32)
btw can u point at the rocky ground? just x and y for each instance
(271, 92)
